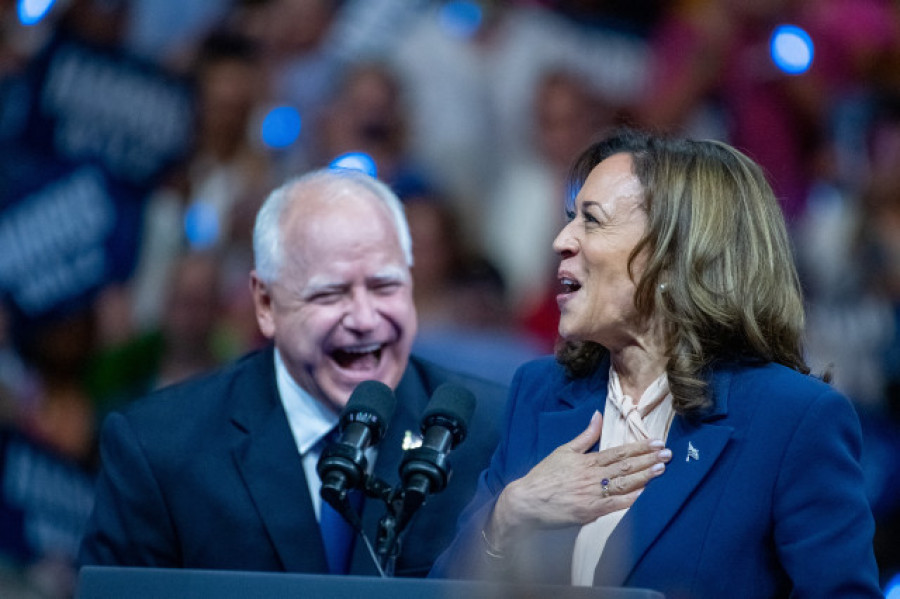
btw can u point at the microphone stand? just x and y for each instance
(385, 553)
(401, 505)
(424, 470)
(338, 497)
(343, 475)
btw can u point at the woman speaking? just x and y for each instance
(680, 317)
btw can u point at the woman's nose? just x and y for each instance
(564, 243)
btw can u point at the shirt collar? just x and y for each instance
(310, 420)
(653, 395)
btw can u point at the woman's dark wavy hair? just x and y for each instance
(716, 238)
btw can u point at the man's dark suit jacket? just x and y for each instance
(206, 474)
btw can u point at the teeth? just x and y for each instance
(364, 349)
(359, 357)
(569, 285)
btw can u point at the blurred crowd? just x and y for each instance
(139, 137)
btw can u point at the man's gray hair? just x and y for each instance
(267, 243)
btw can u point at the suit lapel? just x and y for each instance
(558, 424)
(577, 402)
(695, 450)
(267, 458)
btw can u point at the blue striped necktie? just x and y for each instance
(337, 534)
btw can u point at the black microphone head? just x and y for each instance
(371, 403)
(451, 406)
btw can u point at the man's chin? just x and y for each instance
(340, 390)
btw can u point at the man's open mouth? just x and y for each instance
(358, 357)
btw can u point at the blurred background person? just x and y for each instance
(713, 75)
(191, 338)
(521, 215)
(368, 115)
(465, 317)
(471, 72)
(203, 203)
(47, 454)
(299, 58)
(854, 323)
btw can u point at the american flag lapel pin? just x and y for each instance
(411, 440)
(692, 453)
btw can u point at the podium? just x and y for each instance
(106, 582)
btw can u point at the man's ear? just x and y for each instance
(262, 304)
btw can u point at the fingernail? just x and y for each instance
(656, 444)
(657, 469)
(665, 454)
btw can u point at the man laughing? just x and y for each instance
(219, 472)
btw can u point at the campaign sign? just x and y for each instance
(101, 104)
(87, 132)
(65, 231)
(45, 501)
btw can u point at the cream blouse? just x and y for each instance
(624, 421)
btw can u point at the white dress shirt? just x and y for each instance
(624, 421)
(310, 422)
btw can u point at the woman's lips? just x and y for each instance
(568, 285)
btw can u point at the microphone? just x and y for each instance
(426, 469)
(342, 465)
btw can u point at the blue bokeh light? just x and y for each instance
(281, 127)
(792, 49)
(460, 18)
(355, 161)
(201, 224)
(892, 590)
(32, 11)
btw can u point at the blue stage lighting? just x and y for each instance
(281, 127)
(460, 18)
(892, 590)
(32, 11)
(792, 49)
(201, 225)
(356, 161)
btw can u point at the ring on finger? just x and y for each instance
(604, 487)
